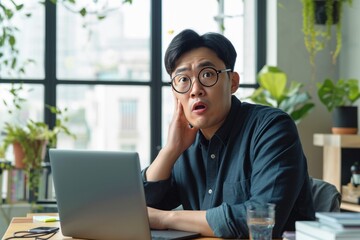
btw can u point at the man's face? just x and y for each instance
(205, 107)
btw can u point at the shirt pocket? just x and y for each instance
(236, 192)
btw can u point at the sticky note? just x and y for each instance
(46, 218)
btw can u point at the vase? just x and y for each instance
(19, 153)
(345, 120)
(18, 156)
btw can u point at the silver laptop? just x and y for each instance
(100, 195)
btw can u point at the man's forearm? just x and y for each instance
(161, 168)
(193, 221)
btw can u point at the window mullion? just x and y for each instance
(156, 78)
(50, 61)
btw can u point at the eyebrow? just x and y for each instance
(201, 65)
(205, 64)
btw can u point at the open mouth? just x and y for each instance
(199, 107)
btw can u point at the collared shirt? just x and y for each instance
(255, 156)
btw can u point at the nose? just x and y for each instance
(197, 89)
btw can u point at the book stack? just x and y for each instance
(330, 226)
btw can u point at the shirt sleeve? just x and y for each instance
(160, 194)
(278, 175)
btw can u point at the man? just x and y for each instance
(222, 154)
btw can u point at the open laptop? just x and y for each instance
(100, 195)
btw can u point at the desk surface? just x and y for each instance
(24, 223)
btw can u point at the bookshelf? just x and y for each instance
(14, 185)
(15, 202)
(339, 153)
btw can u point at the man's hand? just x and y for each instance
(180, 137)
(156, 218)
(191, 221)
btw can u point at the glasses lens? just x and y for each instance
(208, 77)
(181, 83)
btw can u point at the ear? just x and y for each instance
(235, 81)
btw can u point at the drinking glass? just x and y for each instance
(261, 220)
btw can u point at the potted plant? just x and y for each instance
(273, 91)
(317, 13)
(339, 98)
(31, 140)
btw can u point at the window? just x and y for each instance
(113, 49)
(96, 68)
(224, 16)
(128, 113)
(109, 74)
(30, 41)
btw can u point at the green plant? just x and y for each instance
(9, 59)
(316, 37)
(33, 137)
(274, 92)
(4, 165)
(341, 93)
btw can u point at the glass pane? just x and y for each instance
(234, 30)
(32, 108)
(167, 112)
(226, 19)
(115, 48)
(107, 118)
(29, 41)
(243, 93)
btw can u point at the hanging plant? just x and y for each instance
(315, 35)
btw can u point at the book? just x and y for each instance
(16, 186)
(340, 226)
(320, 231)
(305, 236)
(340, 218)
(288, 235)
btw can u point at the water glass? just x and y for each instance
(261, 220)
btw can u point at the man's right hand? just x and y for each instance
(180, 137)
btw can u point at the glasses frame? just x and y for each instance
(218, 71)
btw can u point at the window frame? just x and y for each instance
(50, 82)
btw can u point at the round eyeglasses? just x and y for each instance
(208, 77)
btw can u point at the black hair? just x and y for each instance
(188, 40)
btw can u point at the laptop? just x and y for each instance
(100, 195)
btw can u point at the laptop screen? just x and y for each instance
(99, 194)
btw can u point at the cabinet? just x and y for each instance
(339, 153)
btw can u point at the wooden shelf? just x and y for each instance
(339, 153)
(337, 140)
(350, 207)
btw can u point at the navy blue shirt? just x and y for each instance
(256, 156)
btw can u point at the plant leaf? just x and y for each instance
(273, 80)
(297, 115)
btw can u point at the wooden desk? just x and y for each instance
(25, 223)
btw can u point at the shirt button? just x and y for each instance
(212, 156)
(210, 191)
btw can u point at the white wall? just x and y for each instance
(292, 57)
(349, 58)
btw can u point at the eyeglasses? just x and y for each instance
(208, 77)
